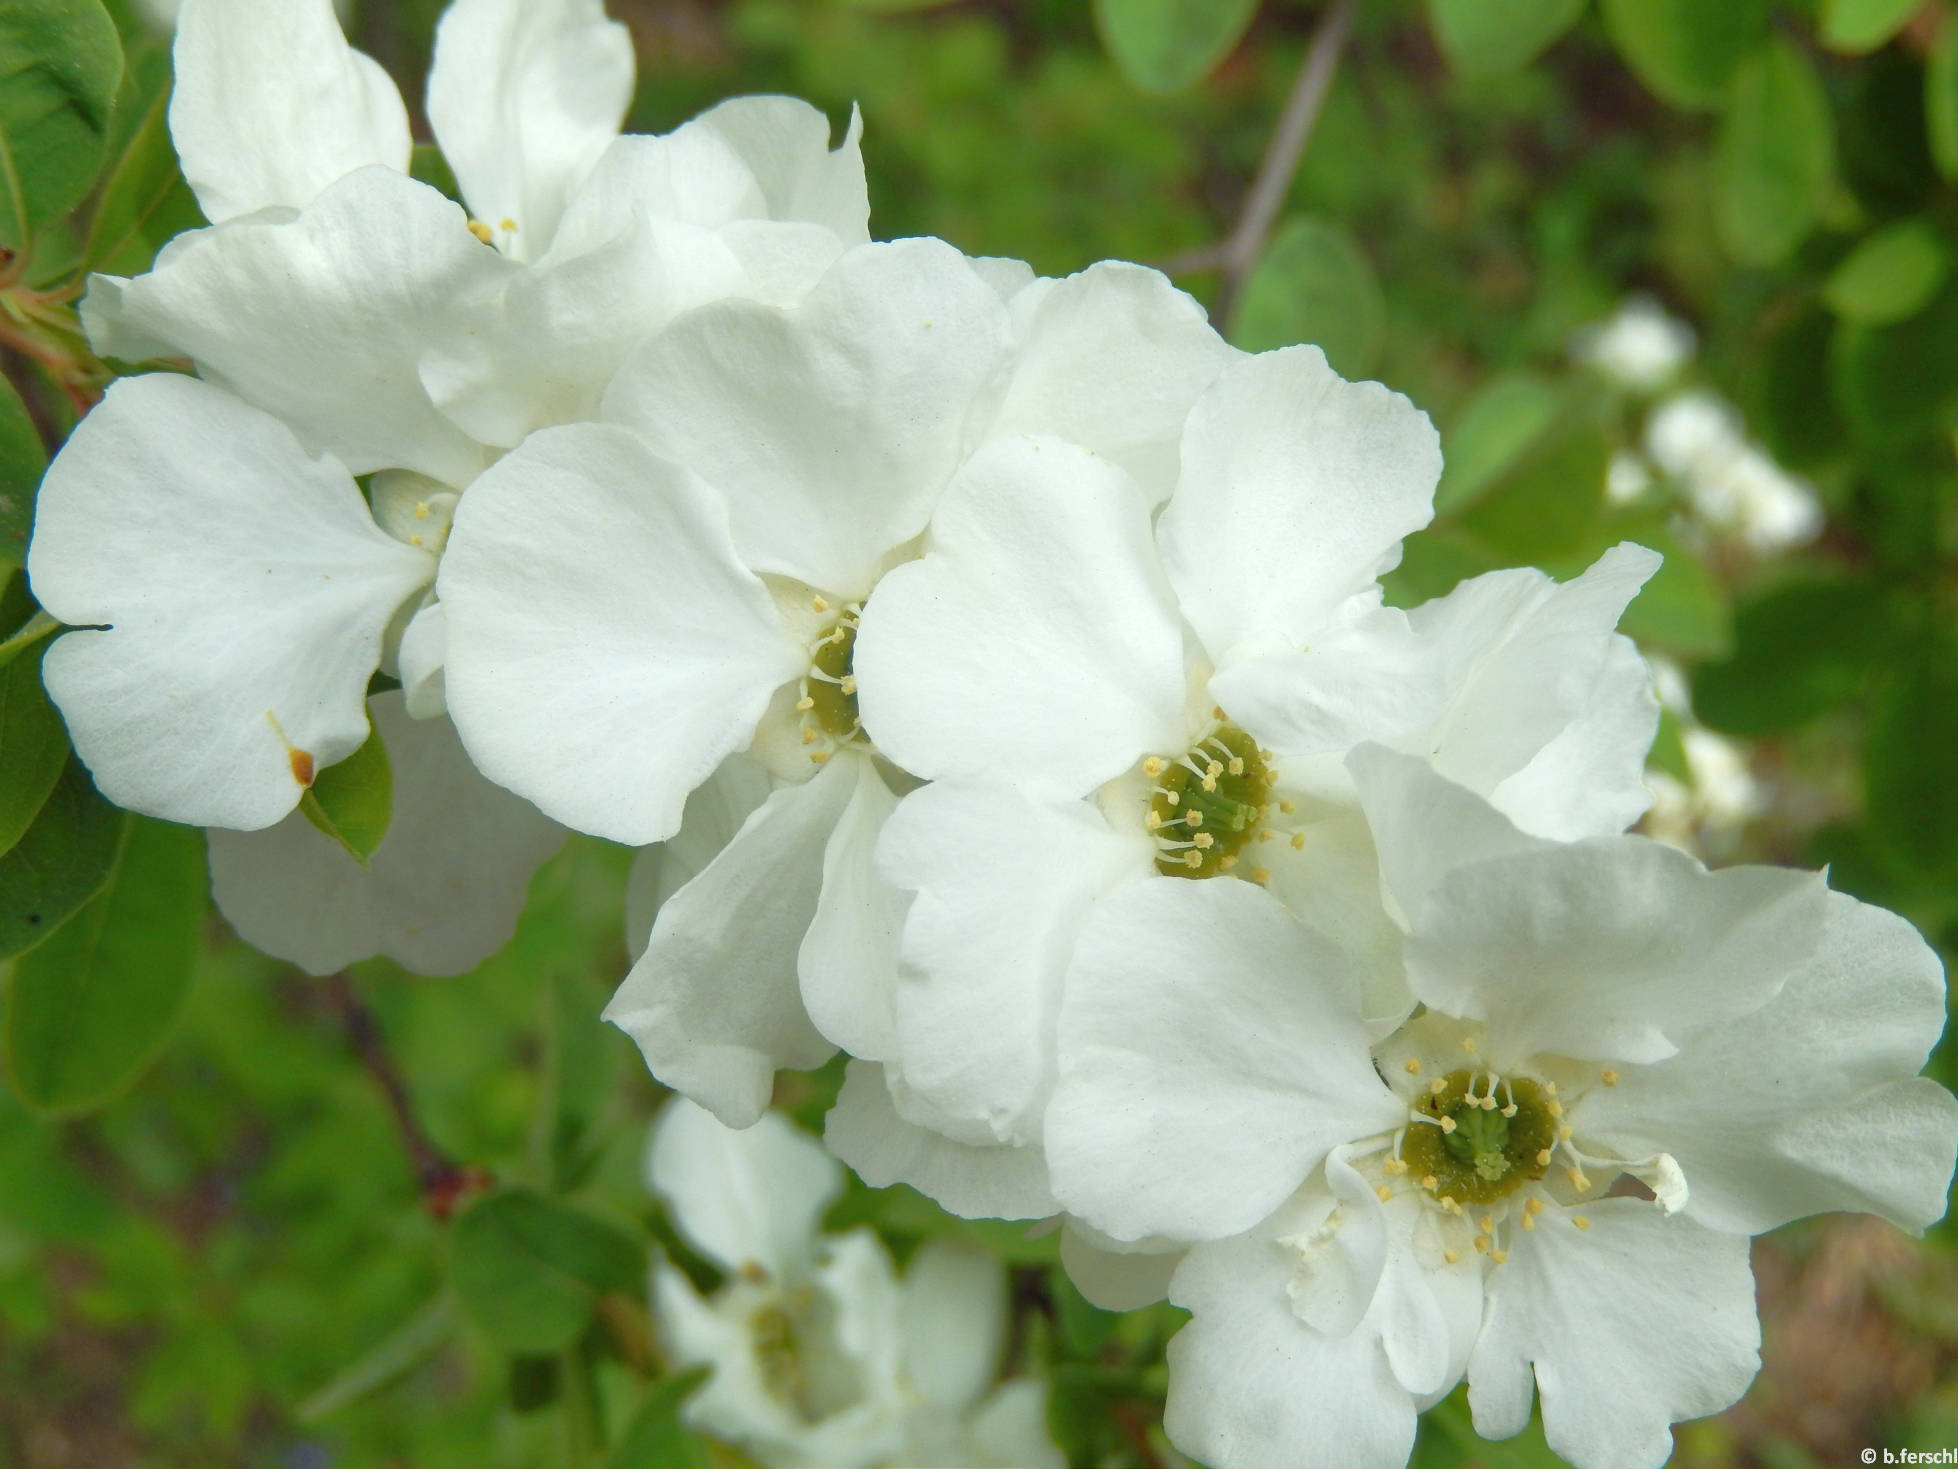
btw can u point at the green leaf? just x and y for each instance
(1798, 651)
(1941, 98)
(1681, 609)
(1892, 275)
(1685, 50)
(144, 196)
(1167, 45)
(1547, 505)
(1490, 433)
(22, 458)
(92, 1006)
(60, 862)
(33, 748)
(1912, 801)
(393, 1358)
(26, 636)
(1314, 285)
(1891, 380)
(530, 1268)
(1775, 156)
(1863, 25)
(1488, 37)
(656, 1438)
(352, 800)
(428, 165)
(60, 63)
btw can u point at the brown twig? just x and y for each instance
(1240, 251)
(443, 1181)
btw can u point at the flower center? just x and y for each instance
(1207, 806)
(1480, 1146)
(828, 705)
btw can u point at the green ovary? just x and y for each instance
(1486, 1156)
(1204, 817)
(830, 686)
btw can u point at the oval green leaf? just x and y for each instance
(1489, 37)
(1895, 379)
(60, 64)
(93, 1006)
(1799, 651)
(1547, 504)
(61, 861)
(1941, 98)
(656, 1436)
(530, 1268)
(22, 458)
(1685, 50)
(1863, 25)
(1490, 433)
(1775, 157)
(1167, 45)
(353, 800)
(1891, 276)
(33, 748)
(1313, 285)
(1912, 801)
(145, 197)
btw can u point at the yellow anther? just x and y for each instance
(1563, 1132)
(1543, 1157)
(1217, 711)
(1288, 807)
(819, 757)
(1261, 874)
(1266, 834)
(1210, 783)
(1213, 767)
(507, 224)
(804, 704)
(1154, 765)
(1580, 1221)
(1152, 821)
(1298, 841)
(1193, 859)
(481, 231)
(1448, 1203)
(1226, 862)
(1414, 1068)
(421, 510)
(1468, 1044)
(1430, 1182)
(1203, 838)
(1487, 1224)
(817, 604)
(1608, 1077)
(1171, 798)
(841, 635)
(1481, 1245)
(1533, 1207)
(1453, 1257)
(1195, 818)
(1448, 1124)
(809, 736)
(1550, 1088)
(1578, 1180)
(849, 683)
(1383, 1193)
(1554, 1107)
(1394, 1166)
(1236, 765)
(1498, 1257)
(1437, 1087)
(1529, 1221)
(414, 540)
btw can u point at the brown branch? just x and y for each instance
(443, 1181)
(1240, 251)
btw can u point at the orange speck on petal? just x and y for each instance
(302, 766)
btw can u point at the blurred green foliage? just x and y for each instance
(245, 1258)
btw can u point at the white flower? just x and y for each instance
(1744, 1044)
(1640, 347)
(1035, 663)
(762, 468)
(822, 1358)
(1732, 485)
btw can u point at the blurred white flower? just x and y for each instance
(1638, 348)
(1627, 477)
(1731, 484)
(823, 1358)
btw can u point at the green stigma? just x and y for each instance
(829, 690)
(1479, 1153)
(1207, 806)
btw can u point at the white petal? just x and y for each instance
(974, 1182)
(1609, 949)
(713, 1003)
(849, 957)
(977, 998)
(1332, 884)
(1425, 826)
(440, 895)
(271, 105)
(1009, 1431)
(750, 1196)
(1111, 359)
(1112, 1275)
(524, 95)
(1036, 642)
(830, 428)
(1525, 657)
(1253, 1387)
(1211, 1054)
(424, 648)
(714, 813)
(322, 320)
(1634, 1324)
(1296, 489)
(1811, 1102)
(954, 1319)
(236, 590)
(785, 144)
(606, 647)
(1589, 780)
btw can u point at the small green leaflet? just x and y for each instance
(352, 801)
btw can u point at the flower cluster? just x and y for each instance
(997, 672)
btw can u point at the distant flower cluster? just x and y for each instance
(997, 673)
